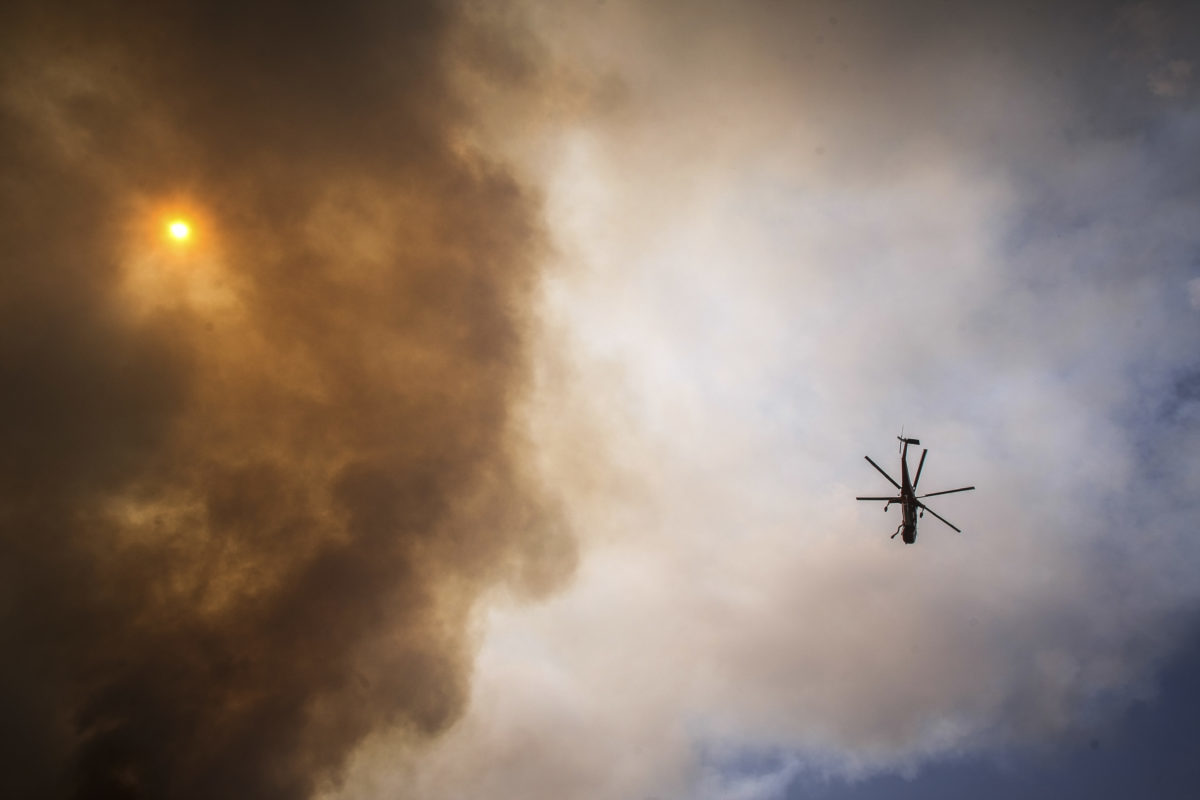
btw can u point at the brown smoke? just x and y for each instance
(251, 487)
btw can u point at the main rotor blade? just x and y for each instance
(939, 516)
(917, 479)
(884, 474)
(950, 491)
(889, 499)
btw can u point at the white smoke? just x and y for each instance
(781, 243)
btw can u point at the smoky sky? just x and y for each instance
(782, 232)
(252, 486)
(599, 305)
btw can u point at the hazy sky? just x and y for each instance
(497, 432)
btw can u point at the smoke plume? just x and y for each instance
(252, 484)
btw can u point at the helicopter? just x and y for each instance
(909, 500)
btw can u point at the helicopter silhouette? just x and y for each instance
(909, 500)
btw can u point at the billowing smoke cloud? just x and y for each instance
(783, 231)
(252, 484)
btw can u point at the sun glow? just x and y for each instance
(179, 230)
(173, 260)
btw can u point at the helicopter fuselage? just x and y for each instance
(908, 499)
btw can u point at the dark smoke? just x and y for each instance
(240, 534)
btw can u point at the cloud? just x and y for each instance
(1150, 39)
(1173, 80)
(252, 486)
(788, 237)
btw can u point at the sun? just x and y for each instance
(179, 230)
